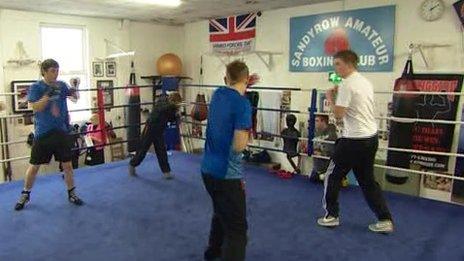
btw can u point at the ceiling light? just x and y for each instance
(169, 3)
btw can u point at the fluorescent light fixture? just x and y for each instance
(169, 3)
(116, 55)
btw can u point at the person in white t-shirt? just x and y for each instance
(353, 101)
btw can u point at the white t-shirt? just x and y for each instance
(356, 94)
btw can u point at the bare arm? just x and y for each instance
(240, 140)
(338, 111)
(41, 103)
(74, 96)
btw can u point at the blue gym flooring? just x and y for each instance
(149, 218)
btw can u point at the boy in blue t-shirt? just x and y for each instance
(51, 122)
(227, 133)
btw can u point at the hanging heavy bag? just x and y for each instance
(253, 97)
(200, 109)
(401, 132)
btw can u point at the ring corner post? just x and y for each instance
(311, 121)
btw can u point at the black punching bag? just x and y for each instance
(133, 112)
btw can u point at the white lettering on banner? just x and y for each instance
(334, 21)
(425, 161)
(319, 61)
(373, 34)
(380, 49)
(358, 25)
(306, 39)
(233, 47)
(349, 22)
(318, 28)
(311, 32)
(367, 60)
(302, 45)
(383, 59)
(377, 41)
(326, 24)
(325, 61)
(366, 31)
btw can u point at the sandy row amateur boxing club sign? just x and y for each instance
(369, 32)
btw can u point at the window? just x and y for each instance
(68, 46)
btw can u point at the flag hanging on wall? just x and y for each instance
(233, 34)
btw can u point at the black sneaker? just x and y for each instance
(212, 254)
(73, 198)
(23, 200)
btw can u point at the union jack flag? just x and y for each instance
(232, 28)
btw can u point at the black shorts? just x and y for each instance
(54, 143)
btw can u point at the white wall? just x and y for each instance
(273, 35)
(148, 40)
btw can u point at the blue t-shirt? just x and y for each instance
(55, 115)
(228, 111)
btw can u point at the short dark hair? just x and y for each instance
(348, 56)
(324, 118)
(236, 71)
(47, 64)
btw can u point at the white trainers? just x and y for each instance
(168, 175)
(328, 221)
(384, 226)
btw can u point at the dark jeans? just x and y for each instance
(229, 226)
(359, 155)
(152, 134)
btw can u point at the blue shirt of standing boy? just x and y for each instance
(55, 115)
(228, 111)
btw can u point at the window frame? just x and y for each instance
(66, 74)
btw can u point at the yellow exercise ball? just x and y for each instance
(169, 64)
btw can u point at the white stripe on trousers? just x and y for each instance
(328, 172)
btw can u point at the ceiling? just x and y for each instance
(188, 11)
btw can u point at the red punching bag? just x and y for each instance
(200, 109)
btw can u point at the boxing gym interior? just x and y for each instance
(114, 114)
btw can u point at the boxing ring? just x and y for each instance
(149, 218)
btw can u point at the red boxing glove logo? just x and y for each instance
(337, 41)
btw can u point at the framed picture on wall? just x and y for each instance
(110, 69)
(108, 96)
(20, 103)
(97, 69)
